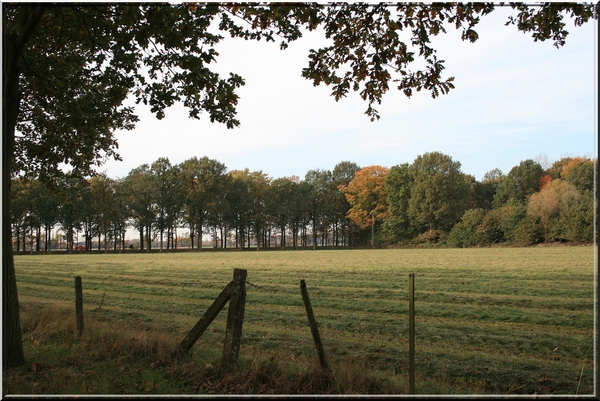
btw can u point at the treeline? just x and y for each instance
(428, 201)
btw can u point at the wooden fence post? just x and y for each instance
(411, 332)
(204, 321)
(313, 325)
(79, 305)
(235, 319)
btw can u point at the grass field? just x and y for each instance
(488, 321)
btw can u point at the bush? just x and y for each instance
(527, 232)
(490, 230)
(510, 216)
(430, 237)
(581, 227)
(466, 233)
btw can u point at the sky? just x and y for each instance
(514, 99)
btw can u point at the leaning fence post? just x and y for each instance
(411, 332)
(204, 321)
(313, 325)
(79, 305)
(235, 319)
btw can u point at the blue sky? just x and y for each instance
(515, 99)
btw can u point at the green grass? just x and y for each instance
(488, 321)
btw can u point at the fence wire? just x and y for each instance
(261, 288)
(275, 289)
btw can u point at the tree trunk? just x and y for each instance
(373, 233)
(314, 234)
(200, 235)
(70, 240)
(18, 234)
(148, 239)
(38, 235)
(12, 47)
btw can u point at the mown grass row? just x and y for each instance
(491, 321)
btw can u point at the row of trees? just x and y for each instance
(430, 200)
(199, 195)
(433, 201)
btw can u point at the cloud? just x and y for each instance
(514, 99)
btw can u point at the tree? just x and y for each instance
(557, 167)
(300, 210)
(368, 52)
(68, 69)
(322, 192)
(558, 198)
(495, 175)
(139, 187)
(35, 206)
(202, 183)
(509, 218)
(491, 229)
(398, 184)
(280, 205)
(102, 192)
(239, 205)
(168, 196)
(72, 193)
(439, 193)
(543, 160)
(544, 181)
(520, 183)
(581, 225)
(220, 217)
(544, 205)
(483, 192)
(579, 171)
(19, 193)
(367, 197)
(259, 187)
(343, 174)
(120, 212)
(246, 197)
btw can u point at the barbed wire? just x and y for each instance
(211, 283)
(253, 285)
(262, 288)
(273, 289)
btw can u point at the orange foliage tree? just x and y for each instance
(544, 180)
(367, 198)
(579, 171)
(556, 197)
